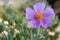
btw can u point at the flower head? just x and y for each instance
(40, 16)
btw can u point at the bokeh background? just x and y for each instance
(13, 24)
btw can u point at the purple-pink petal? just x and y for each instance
(49, 12)
(34, 23)
(30, 13)
(39, 7)
(46, 23)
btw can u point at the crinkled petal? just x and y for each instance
(30, 13)
(46, 23)
(49, 12)
(39, 7)
(34, 23)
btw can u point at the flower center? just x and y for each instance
(39, 16)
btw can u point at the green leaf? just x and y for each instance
(4, 17)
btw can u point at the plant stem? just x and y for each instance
(31, 35)
(38, 31)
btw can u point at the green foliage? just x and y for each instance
(2, 27)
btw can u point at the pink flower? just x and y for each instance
(40, 15)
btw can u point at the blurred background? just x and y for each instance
(13, 24)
